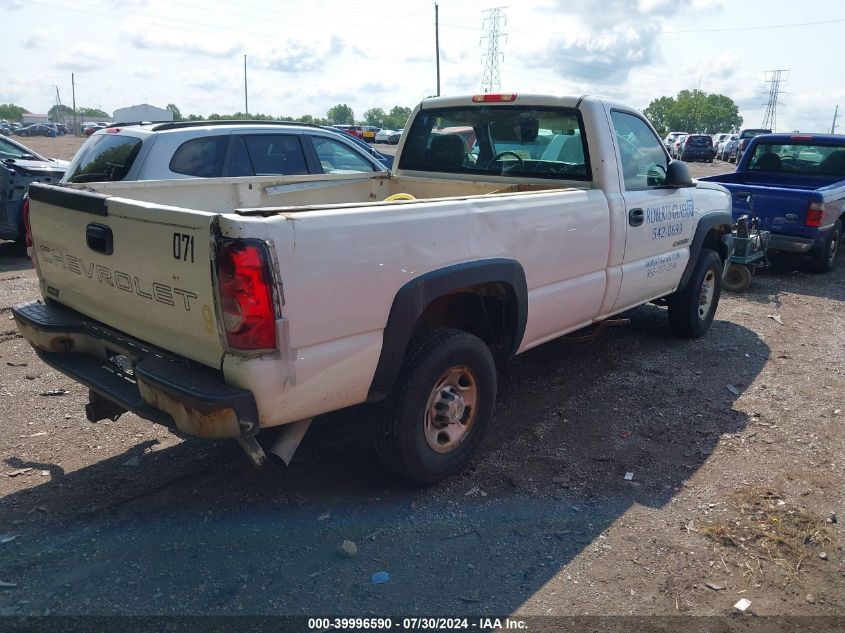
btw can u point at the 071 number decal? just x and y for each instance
(183, 247)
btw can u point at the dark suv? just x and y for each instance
(744, 138)
(698, 147)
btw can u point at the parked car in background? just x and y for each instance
(388, 136)
(207, 149)
(368, 133)
(718, 138)
(677, 145)
(744, 138)
(795, 185)
(698, 147)
(36, 129)
(20, 166)
(384, 159)
(726, 147)
(670, 139)
(90, 128)
(352, 130)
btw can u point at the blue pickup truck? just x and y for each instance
(795, 184)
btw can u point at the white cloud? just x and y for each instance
(84, 56)
(35, 39)
(182, 42)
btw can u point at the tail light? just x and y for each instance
(30, 249)
(245, 293)
(814, 213)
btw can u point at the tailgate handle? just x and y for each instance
(99, 238)
(636, 217)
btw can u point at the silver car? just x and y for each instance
(208, 149)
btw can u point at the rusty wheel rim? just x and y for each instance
(452, 408)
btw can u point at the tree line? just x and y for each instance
(690, 111)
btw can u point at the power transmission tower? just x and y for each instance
(494, 21)
(60, 115)
(833, 125)
(774, 78)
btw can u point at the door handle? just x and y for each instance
(99, 238)
(636, 217)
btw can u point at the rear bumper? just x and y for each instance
(790, 244)
(169, 390)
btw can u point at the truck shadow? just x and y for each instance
(194, 529)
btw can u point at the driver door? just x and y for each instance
(660, 220)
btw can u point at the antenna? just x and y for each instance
(494, 21)
(774, 78)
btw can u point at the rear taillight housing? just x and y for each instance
(30, 249)
(814, 213)
(245, 290)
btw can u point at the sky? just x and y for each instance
(304, 57)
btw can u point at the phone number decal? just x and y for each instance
(662, 264)
(667, 230)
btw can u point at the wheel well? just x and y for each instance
(488, 310)
(713, 240)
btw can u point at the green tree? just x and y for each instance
(91, 112)
(60, 113)
(11, 112)
(375, 116)
(177, 114)
(694, 111)
(397, 117)
(341, 114)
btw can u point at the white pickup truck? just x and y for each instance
(224, 307)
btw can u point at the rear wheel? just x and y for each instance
(434, 418)
(737, 278)
(691, 310)
(825, 258)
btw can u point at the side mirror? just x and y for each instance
(677, 175)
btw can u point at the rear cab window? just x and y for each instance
(104, 157)
(519, 141)
(803, 158)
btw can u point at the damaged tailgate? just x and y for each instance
(142, 268)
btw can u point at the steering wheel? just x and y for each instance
(501, 154)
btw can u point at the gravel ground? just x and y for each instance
(731, 440)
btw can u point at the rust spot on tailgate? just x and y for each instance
(202, 421)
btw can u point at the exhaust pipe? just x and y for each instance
(288, 440)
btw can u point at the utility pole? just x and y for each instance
(490, 80)
(835, 116)
(73, 91)
(774, 78)
(246, 98)
(437, 44)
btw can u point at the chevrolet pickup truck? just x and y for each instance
(225, 307)
(795, 185)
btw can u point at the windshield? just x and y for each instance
(12, 150)
(495, 140)
(103, 157)
(799, 158)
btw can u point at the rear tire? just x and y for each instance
(824, 259)
(691, 309)
(433, 420)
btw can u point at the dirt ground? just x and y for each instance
(734, 441)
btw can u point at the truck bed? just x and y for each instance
(270, 194)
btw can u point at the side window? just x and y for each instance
(201, 157)
(268, 155)
(336, 157)
(641, 153)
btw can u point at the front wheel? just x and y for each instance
(824, 259)
(435, 416)
(691, 310)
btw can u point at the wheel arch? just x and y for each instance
(418, 303)
(713, 231)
